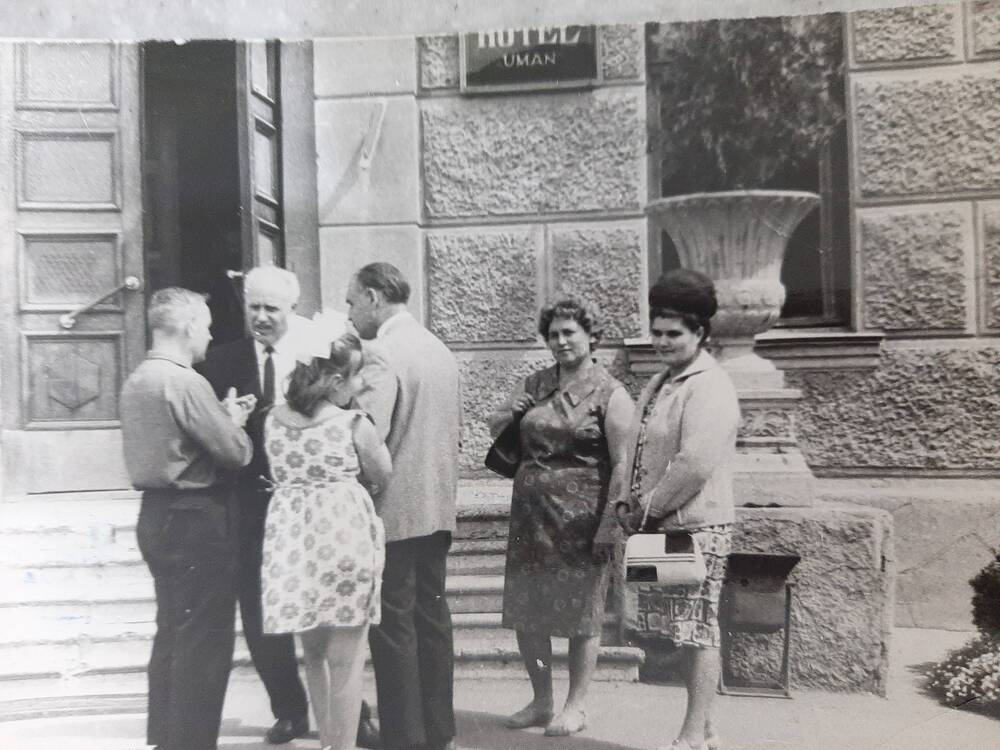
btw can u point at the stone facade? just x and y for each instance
(922, 409)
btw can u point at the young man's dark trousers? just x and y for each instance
(187, 539)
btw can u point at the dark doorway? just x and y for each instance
(191, 175)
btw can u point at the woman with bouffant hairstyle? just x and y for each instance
(323, 543)
(679, 479)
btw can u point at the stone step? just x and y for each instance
(123, 690)
(68, 579)
(107, 650)
(83, 590)
(477, 557)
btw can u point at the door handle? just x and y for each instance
(130, 283)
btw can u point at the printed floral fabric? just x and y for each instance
(324, 546)
(552, 583)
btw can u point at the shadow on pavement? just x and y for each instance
(483, 731)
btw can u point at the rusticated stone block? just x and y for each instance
(944, 531)
(925, 32)
(567, 152)
(990, 213)
(482, 285)
(936, 133)
(985, 27)
(439, 66)
(488, 379)
(920, 409)
(601, 265)
(842, 597)
(622, 52)
(914, 269)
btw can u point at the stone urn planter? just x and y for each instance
(738, 238)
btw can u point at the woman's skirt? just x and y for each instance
(687, 615)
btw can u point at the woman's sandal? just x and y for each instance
(529, 716)
(680, 744)
(567, 723)
(712, 742)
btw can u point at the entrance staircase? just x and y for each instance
(77, 608)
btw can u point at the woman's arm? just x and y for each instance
(708, 431)
(510, 408)
(617, 421)
(373, 456)
(616, 427)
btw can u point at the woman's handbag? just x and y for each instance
(505, 453)
(663, 559)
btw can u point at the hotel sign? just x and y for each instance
(536, 57)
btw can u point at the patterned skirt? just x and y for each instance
(687, 615)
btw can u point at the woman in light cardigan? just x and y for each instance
(682, 447)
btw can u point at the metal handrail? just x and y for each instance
(129, 283)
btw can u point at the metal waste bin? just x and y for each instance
(757, 598)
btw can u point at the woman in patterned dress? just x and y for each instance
(323, 543)
(681, 452)
(573, 416)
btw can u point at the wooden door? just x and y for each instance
(70, 232)
(259, 113)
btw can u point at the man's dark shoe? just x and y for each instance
(286, 730)
(367, 729)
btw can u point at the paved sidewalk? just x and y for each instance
(621, 717)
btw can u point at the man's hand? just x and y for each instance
(521, 404)
(239, 407)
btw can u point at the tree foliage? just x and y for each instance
(744, 101)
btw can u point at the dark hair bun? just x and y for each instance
(684, 291)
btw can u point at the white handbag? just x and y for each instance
(663, 559)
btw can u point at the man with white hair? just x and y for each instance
(261, 365)
(181, 448)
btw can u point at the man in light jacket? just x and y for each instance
(415, 387)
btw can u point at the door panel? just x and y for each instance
(71, 232)
(258, 105)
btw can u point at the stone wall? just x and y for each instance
(924, 101)
(493, 205)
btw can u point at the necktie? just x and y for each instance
(268, 384)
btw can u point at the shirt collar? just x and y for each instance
(576, 392)
(702, 362)
(391, 321)
(153, 354)
(278, 346)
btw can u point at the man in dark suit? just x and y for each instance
(260, 366)
(418, 392)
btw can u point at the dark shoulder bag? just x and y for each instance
(504, 455)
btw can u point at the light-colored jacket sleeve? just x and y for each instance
(377, 396)
(708, 428)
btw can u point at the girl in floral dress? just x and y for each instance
(323, 543)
